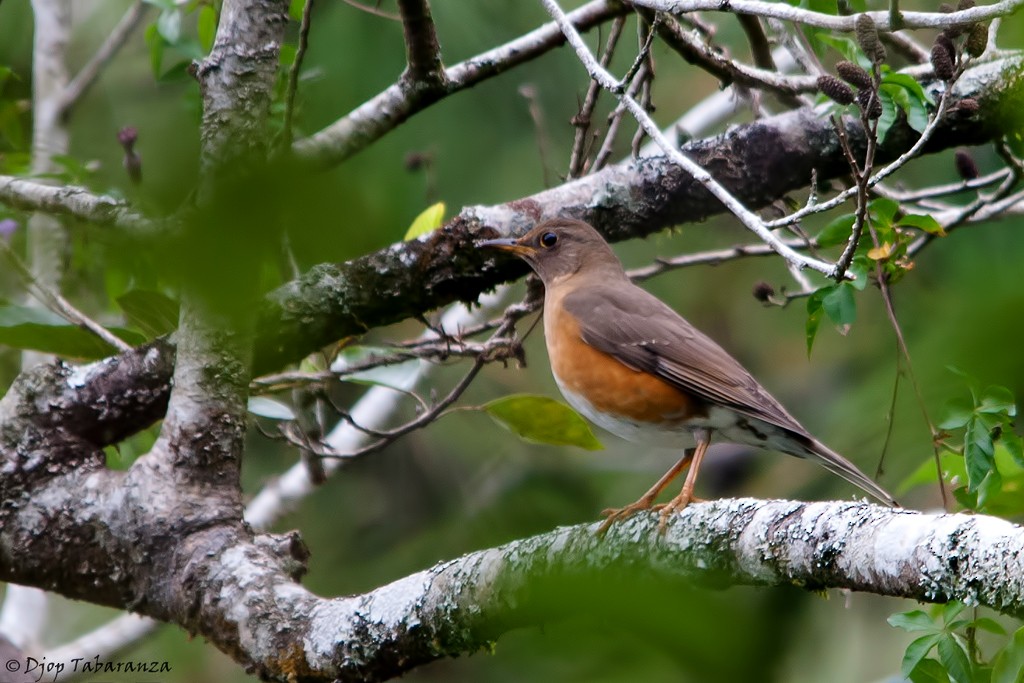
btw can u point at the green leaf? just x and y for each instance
(814, 315)
(957, 413)
(989, 488)
(156, 43)
(1008, 664)
(847, 47)
(22, 327)
(428, 221)
(929, 671)
(914, 89)
(978, 453)
(152, 312)
(295, 8)
(917, 651)
(889, 114)
(953, 657)
(540, 419)
(952, 466)
(1014, 446)
(950, 611)
(998, 400)
(268, 407)
(883, 211)
(990, 625)
(206, 26)
(914, 620)
(923, 222)
(169, 25)
(837, 232)
(840, 305)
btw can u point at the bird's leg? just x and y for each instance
(646, 501)
(685, 496)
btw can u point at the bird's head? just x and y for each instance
(560, 248)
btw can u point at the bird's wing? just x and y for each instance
(639, 330)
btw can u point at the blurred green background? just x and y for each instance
(465, 483)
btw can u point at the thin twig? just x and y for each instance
(750, 220)
(375, 11)
(578, 156)
(293, 73)
(57, 303)
(90, 72)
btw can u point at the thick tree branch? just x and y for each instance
(74, 202)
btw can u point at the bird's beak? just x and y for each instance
(506, 244)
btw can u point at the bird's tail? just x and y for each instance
(837, 464)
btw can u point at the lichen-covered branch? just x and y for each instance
(71, 201)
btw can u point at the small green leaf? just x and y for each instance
(540, 419)
(1008, 665)
(428, 221)
(914, 620)
(914, 89)
(23, 327)
(840, 305)
(837, 232)
(953, 657)
(923, 222)
(990, 625)
(889, 114)
(814, 314)
(950, 611)
(206, 26)
(883, 211)
(1014, 446)
(978, 453)
(156, 43)
(169, 25)
(989, 488)
(929, 671)
(952, 466)
(295, 8)
(998, 400)
(268, 407)
(152, 312)
(957, 413)
(917, 651)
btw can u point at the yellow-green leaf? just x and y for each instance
(540, 419)
(428, 221)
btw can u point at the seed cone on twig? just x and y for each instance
(867, 37)
(869, 103)
(977, 39)
(965, 165)
(967, 105)
(835, 89)
(854, 75)
(942, 61)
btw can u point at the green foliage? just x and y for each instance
(952, 636)
(270, 408)
(977, 425)
(540, 419)
(169, 40)
(38, 329)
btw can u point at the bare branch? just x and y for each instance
(833, 22)
(75, 202)
(381, 114)
(92, 69)
(749, 219)
(293, 73)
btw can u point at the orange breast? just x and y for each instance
(609, 385)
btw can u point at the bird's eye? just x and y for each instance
(548, 239)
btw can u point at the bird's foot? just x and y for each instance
(675, 505)
(613, 515)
